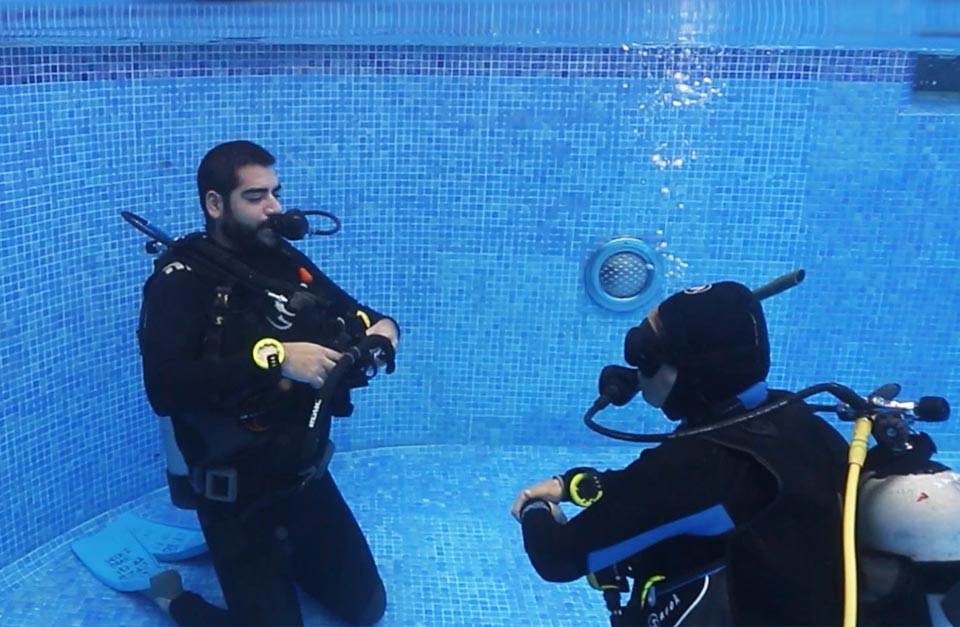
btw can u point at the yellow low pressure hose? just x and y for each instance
(858, 452)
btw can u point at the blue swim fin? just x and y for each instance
(118, 559)
(168, 543)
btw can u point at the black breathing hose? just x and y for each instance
(843, 393)
(352, 357)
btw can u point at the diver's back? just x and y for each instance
(785, 566)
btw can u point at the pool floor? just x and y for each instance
(438, 522)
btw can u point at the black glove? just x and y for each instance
(374, 350)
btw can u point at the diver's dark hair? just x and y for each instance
(218, 169)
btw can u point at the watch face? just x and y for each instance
(268, 353)
(585, 489)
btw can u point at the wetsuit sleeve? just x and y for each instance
(178, 378)
(342, 301)
(682, 489)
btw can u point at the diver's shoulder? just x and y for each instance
(176, 270)
(176, 278)
(178, 262)
(173, 266)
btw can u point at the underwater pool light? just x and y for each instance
(624, 274)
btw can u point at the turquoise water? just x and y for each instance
(477, 153)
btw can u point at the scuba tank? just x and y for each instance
(908, 522)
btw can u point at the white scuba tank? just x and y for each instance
(904, 521)
(916, 516)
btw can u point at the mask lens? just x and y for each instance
(641, 349)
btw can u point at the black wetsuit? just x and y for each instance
(279, 533)
(756, 505)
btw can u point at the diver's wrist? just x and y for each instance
(582, 486)
(531, 505)
(564, 495)
(269, 354)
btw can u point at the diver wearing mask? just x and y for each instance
(241, 336)
(734, 526)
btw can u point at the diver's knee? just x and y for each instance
(372, 612)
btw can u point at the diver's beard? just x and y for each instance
(246, 238)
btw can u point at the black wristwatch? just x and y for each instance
(581, 486)
(268, 353)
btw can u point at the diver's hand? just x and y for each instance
(549, 490)
(308, 363)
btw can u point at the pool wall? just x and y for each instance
(473, 181)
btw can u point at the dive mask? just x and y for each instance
(643, 349)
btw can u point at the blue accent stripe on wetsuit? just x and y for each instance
(712, 521)
(753, 396)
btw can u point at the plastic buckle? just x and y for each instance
(220, 484)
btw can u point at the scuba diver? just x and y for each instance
(250, 350)
(732, 526)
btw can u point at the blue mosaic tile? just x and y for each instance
(856, 23)
(473, 181)
(444, 559)
(28, 66)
